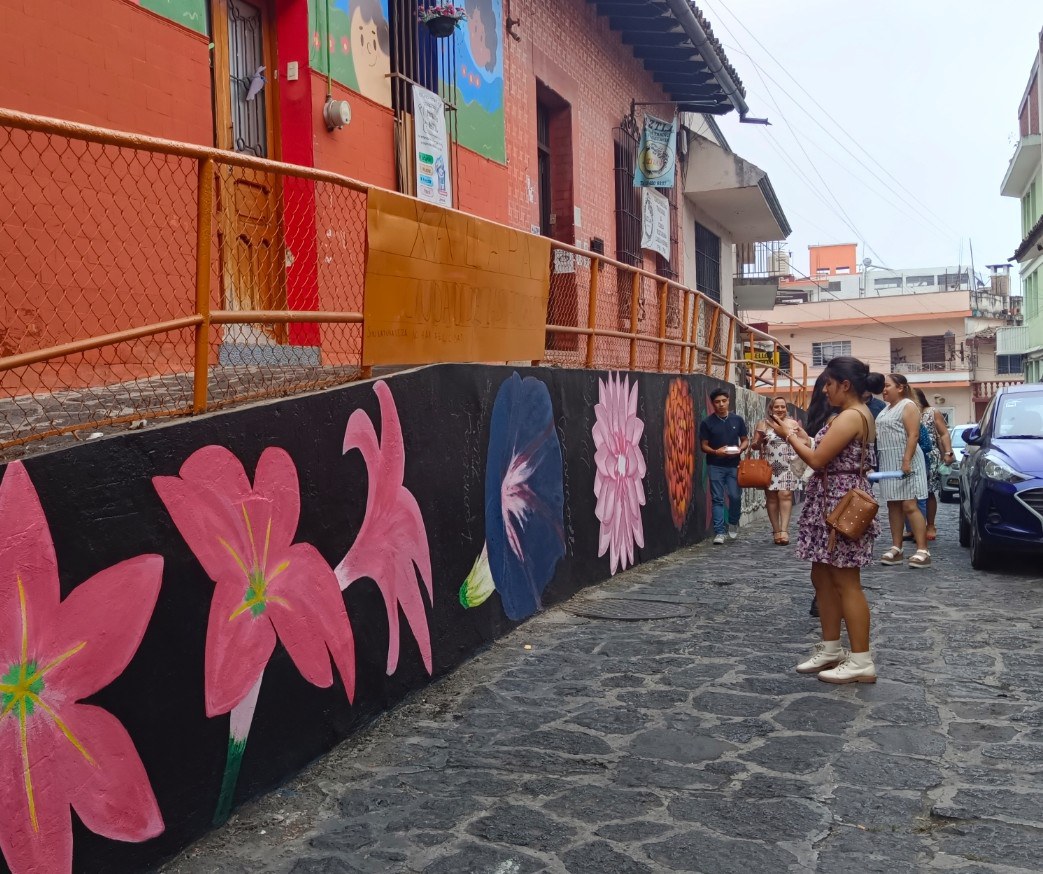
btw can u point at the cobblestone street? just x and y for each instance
(689, 744)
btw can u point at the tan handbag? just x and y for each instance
(857, 509)
(754, 473)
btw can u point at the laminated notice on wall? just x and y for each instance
(655, 222)
(433, 183)
(445, 286)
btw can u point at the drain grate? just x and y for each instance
(627, 609)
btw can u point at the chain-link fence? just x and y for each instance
(145, 278)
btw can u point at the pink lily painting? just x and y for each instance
(266, 587)
(57, 753)
(391, 547)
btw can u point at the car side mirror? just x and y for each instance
(972, 436)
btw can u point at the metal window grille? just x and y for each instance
(245, 58)
(932, 349)
(418, 58)
(707, 262)
(823, 353)
(628, 211)
(543, 166)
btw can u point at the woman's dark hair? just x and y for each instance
(921, 397)
(903, 383)
(819, 409)
(849, 368)
(716, 393)
(875, 383)
(484, 8)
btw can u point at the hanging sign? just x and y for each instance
(433, 184)
(656, 154)
(655, 222)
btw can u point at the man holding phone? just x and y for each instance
(723, 438)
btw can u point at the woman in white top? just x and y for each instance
(897, 433)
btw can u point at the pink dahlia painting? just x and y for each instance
(391, 547)
(56, 752)
(620, 471)
(266, 587)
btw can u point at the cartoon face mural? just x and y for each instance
(371, 49)
(479, 79)
(56, 752)
(524, 501)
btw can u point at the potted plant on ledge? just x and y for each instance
(442, 19)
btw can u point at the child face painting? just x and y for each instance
(369, 51)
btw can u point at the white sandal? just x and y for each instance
(920, 558)
(893, 556)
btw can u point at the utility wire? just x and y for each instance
(826, 112)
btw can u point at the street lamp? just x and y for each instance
(863, 285)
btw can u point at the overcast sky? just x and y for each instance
(930, 89)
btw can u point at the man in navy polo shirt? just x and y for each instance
(723, 438)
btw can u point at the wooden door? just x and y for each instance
(248, 202)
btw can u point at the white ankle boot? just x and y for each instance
(858, 667)
(827, 654)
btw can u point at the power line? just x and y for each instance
(826, 113)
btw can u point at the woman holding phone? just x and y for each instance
(784, 482)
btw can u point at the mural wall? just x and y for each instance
(191, 613)
(190, 13)
(355, 45)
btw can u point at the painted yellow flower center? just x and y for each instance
(21, 693)
(256, 598)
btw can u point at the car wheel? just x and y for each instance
(965, 529)
(945, 497)
(981, 558)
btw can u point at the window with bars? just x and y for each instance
(628, 209)
(707, 262)
(932, 349)
(543, 165)
(823, 353)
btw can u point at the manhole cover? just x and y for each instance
(626, 609)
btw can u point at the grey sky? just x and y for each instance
(929, 88)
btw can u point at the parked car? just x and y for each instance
(1001, 476)
(951, 482)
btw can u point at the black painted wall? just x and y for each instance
(103, 508)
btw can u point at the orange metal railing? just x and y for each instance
(146, 278)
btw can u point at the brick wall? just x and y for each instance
(108, 63)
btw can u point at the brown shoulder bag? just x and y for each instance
(754, 473)
(857, 509)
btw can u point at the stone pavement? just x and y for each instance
(611, 747)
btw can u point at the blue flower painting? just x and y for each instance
(524, 500)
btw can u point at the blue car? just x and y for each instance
(1001, 477)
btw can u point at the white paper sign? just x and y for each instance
(564, 262)
(433, 184)
(655, 222)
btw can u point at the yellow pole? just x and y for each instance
(729, 350)
(204, 231)
(592, 309)
(662, 324)
(635, 291)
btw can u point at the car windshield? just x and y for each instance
(1021, 416)
(957, 439)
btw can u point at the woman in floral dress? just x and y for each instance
(837, 457)
(778, 495)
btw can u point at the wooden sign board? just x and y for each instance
(445, 286)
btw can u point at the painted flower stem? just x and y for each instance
(238, 732)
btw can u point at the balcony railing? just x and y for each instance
(985, 390)
(929, 367)
(761, 262)
(144, 278)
